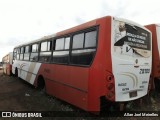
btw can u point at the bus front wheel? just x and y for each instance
(16, 72)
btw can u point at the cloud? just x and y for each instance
(22, 21)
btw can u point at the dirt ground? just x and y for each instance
(18, 95)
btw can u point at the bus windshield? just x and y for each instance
(133, 38)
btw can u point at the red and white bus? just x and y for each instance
(107, 59)
(155, 76)
(7, 63)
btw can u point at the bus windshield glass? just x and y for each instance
(130, 37)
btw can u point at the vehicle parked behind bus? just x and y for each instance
(7, 63)
(104, 60)
(155, 76)
(1, 66)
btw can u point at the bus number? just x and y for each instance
(144, 71)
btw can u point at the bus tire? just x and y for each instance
(16, 72)
(41, 84)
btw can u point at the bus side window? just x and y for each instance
(45, 51)
(15, 54)
(61, 52)
(59, 44)
(21, 53)
(26, 53)
(18, 53)
(90, 39)
(34, 52)
(84, 47)
(78, 41)
(67, 43)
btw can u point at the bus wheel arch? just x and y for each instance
(16, 72)
(40, 82)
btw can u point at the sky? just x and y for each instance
(26, 20)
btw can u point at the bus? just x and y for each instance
(1, 66)
(7, 63)
(155, 75)
(104, 60)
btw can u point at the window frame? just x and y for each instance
(18, 53)
(28, 52)
(53, 43)
(62, 50)
(93, 28)
(83, 40)
(47, 41)
(39, 50)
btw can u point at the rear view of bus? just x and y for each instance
(131, 54)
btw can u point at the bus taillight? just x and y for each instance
(110, 86)
(110, 95)
(109, 78)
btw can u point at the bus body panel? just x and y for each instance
(26, 70)
(101, 67)
(66, 81)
